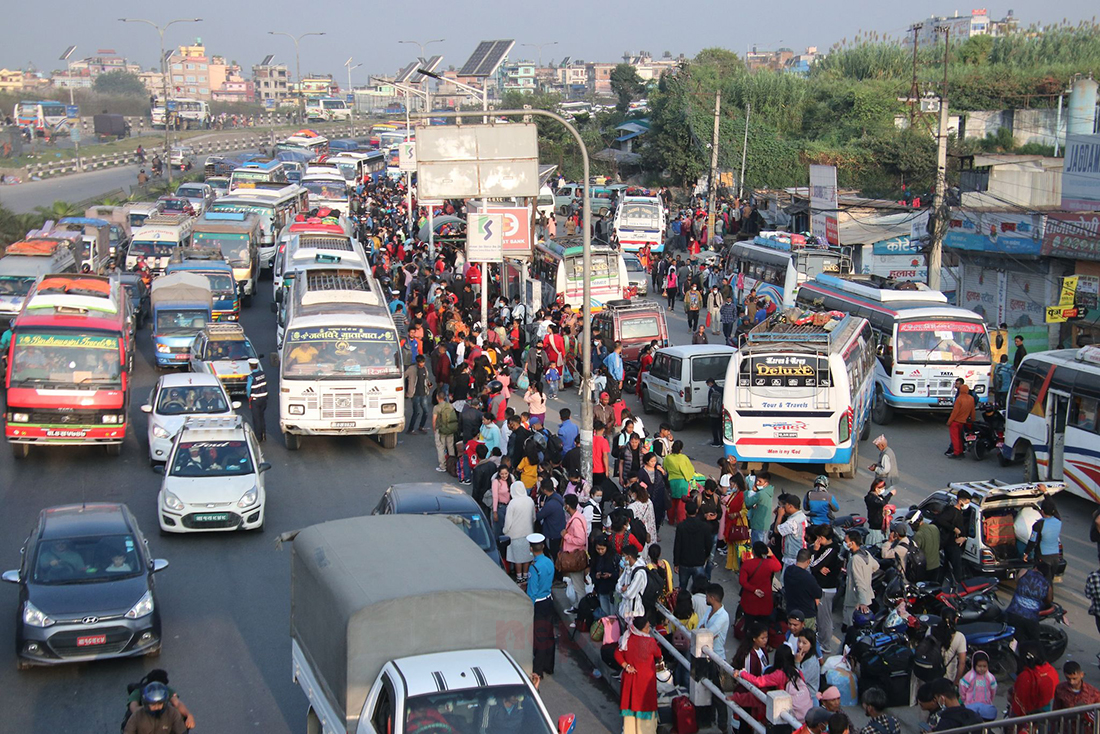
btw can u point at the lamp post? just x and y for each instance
(164, 78)
(67, 58)
(298, 66)
(350, 90)
(423, 54)
(407, 90)
(540, 46)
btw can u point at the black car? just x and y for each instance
(427, 498)
(86, 589)
(139, 297)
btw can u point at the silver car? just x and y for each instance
(636, 275)
(201, 195)
(174, 399)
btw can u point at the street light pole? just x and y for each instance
(423, 58)
(298, 67)
(540, 46)
(350, 90)
(586, 240)
(164, 79)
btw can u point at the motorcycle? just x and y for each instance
(986, 435)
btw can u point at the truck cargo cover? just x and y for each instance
(368, 590)
(186, 288)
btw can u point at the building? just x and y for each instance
(570, 79)
(104, 61)
(649, 68)
(270, 82)
(800, 63)
(76, 79)
(317, 85)
(12, 80)
(518, 76)
(774, 60)
(599, 78)
(235, 88)
(997, 181)
(962, 27)
(193, 73)
(153, 81)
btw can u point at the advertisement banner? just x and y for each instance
(1013, 234)
(788, 370)
(516, 231)
(484, 237)
(1081, 173)
(1075, 236)
(823, 203)
(896, 246)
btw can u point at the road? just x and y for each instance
(23, 198)
(224, 598)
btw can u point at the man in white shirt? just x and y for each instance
(718, 622)
(792, 527)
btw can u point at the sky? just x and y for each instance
(369, 30)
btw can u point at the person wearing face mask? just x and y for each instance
(952, 522)
(858, 594)
(156, 715)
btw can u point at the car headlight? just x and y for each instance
(164, 349)
(20, 417)
(249, 498)
(296, 409)
(159, 432)
(172, 502)
(34, 617)
(143, 607)
(908, 387)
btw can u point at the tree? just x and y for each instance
(626, 85)
(119, 83)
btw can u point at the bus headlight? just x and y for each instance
(908, 387)
(296, 409)
(20, 417)
(979, 389)
(389, 408)
(113, 418)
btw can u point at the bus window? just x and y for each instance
(1082, 413)
(1022, 397)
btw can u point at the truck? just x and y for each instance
(119, 219)
(93, 248)
(401, 622)
(182, 305)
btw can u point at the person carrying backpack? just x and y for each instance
(633, 585)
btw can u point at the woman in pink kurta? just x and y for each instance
(639, 655)
(574, 538)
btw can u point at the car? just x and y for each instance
(177, 397)
(990, 545)
(636, 274)
(222, 349)
(429, 498)
(86, 588)
(182, 157)
(138, 294)
(213, 479)
(677, 380)
(220, 185)
(200, 195)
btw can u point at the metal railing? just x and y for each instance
(1077, 720)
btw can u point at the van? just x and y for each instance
(599, 198)
(676, 382)
(23, 264)
(142, 210)
(990, 547)
(634, 324)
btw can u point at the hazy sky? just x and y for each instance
(369, 30)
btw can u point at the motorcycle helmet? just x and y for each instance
(495, 386)
(154, 693)
(862, 619)
(821, 481)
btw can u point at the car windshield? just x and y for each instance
(74, 359)
(175, 205)
(229, 349)
(86, 559)
(640, 328)
(473, 524)
(340, 352)
(186, 321)
(482, 710)
(191, 399)
(211, 459)
(15, 285)
(943, 342)
(633, 265)
(190, 192)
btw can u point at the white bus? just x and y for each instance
(274, 207)
(40, 115)
(775, 267)
(313, 144)
(1052, 419)
(801, 394)
(316, 249)
(640, 221)
(327, 109)
(157, 239)
(326, 189)
(341, 370)
(188, 113)
(923, 343)
(559, 265)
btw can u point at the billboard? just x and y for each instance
(980, 231)
(515, 229)
(1081, 173)
(484, 237)
(1075, 236)
(823, 203)
(477, 161)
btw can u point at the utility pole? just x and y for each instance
(914, 90)
(939, 215)
(744, 153)
(712, 188)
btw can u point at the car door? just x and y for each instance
(656, 378)
(676, 381)
(198, 348)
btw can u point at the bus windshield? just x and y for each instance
(152, 249)
(347, 170)
(326, 190)
(233, 247)
(946, 342)
(16, 285)
(221, 283)
(341, 351)
(70, 359)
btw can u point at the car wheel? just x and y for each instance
(293, 441)
(676, 419)
(647, 406)
(881, 413)
(20, 450)
(1031, 466)
(388, 440)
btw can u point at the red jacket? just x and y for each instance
(756, 573)
(639, 689)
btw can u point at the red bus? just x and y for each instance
(68, 366)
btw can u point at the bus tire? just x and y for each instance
(849, 472)
(676, 419)
(881, 413)
(388, 440)
(292, 440)
(20, 450)
(113, 449)
(647, 405)
(1031, 466)
(865, 433)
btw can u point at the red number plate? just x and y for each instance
(91, 640)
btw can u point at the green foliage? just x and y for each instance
(119, 82)
(975, 50)
(1000, 141)
(625, 85)
(57, 210)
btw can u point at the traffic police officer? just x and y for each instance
(257, 398)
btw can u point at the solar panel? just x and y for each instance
(267, 60)
(429, 65)
(486, 58)
(405, 72)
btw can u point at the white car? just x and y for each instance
(201, 195)
(214, 478)
(177, 397)
(223, 350)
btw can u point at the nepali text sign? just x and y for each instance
(1075, 236)
(823, 203)
(1013, 234)
(516, 229)
(484, 237)
(1081, 173)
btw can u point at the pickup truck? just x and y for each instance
(400, 624)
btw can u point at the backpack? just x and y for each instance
(916, 564)
(927, 660)
(554, 449)
(654, 585)
(617, 447)
(586, 612)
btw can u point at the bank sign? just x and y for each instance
(1081, 173)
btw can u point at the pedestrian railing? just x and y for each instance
(1078, 720)
(703, 691)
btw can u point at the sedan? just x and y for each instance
(86, 589)
(174, 399)
(426, 498)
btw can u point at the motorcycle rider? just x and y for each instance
(156, 715)
(820, 503)
(157, 675)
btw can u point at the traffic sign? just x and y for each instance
(171, 105)
(406, 156)
(484, 237)
(74, 134)
(72, 111)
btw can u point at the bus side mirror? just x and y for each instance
(880, 350)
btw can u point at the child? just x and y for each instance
(118, 565)
(978, 688)
(551, 379)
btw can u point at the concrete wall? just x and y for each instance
(1027, 126)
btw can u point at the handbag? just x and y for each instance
(707, 324)
(573, 561)
(523, 382)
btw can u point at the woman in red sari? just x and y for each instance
(643, 364)
(639, 656)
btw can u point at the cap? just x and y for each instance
(253, 362)
(879, 438)
(604, 395)
(830, 694)
(540, 538)
(797, 614)
(817, 716)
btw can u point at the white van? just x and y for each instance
(676, 382)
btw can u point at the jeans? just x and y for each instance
(693, 319)
(688, 574)
(727, 330)
(716, 430)
(710, 559)
(551, 388)
(757, 536)
(607, 608)
(420, 408)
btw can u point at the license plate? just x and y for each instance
(971, 436)
(946, 401)
(211, 517)
(91, 640)
(343, 424)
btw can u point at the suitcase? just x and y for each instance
(683, 716)
(888, 668)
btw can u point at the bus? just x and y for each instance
(559, 265)
(640, 221)
(157, 239)
(800, 393)
(341, 370)
(313, 248)
(188, 114)
(68, 372)
(393, 138)
(274, 207)
(304, 141)
(374, 140)
(327, 109)
(326, 189)
(236, 237)
(267, 170)
(923, 343)
(40, 115)
(775, 267)
(1051, 421)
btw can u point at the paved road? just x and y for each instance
(24, 197)
(225, 597)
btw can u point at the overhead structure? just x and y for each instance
(430, 65)
(486, 58)
(405, 72)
